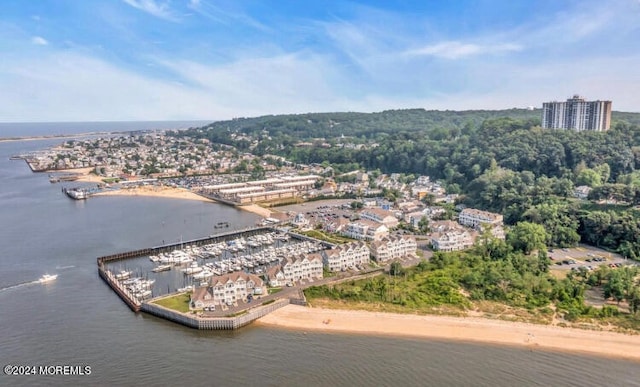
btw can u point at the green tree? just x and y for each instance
(423, 224)
(527, 237)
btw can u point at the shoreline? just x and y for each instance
(177, 193)
(157, 191)
(464, 329)
(53, 137)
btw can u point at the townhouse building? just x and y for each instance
(393, 247)
(227, 289)
(346, 256)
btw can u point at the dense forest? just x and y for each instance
(500, 161)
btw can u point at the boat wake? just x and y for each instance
(64, 267)
(19, 285)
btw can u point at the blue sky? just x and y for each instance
(70, 60)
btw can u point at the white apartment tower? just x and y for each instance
(577, 114)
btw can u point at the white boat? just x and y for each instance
(193, 268)
(186, 289)
(160, 268)
(123, 275)
(47, 278)
(131, 281)
(154, 258)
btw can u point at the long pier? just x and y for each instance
(179, 245)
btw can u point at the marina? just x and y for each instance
(144, 276)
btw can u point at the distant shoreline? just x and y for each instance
(53, 137)
(469, 329)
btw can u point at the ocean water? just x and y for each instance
(77, 320)
(24, 129)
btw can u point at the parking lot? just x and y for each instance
(585, 256)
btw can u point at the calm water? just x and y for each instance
(21, 129)
(77, 319)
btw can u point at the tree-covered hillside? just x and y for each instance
(500, 161)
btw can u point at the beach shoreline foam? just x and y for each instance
(466, 329)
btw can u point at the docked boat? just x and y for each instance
(76, 193)
(160, 268)
(123, 275)
(47, 278)
(193, 268)
(186, 289)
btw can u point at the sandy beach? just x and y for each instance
(177, 193)
(156, 191)
(457, 328)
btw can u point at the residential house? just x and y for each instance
(275, 277)
(581, 191)
(201, 298)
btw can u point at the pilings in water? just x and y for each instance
(124, 294)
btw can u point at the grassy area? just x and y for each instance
(274, 290)
(326, 237)
(237, 314)
(421, 292)
(179, 303)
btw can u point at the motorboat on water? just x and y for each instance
(47, 278)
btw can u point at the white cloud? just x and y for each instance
(151, 7)
(64, 87)
(39, 41)
(456, 50)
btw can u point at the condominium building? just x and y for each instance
(346, 256)
(302, 267)
(393, 247)
(365, 230)
(577, 114)
(452, 240)
(227, 289)
(475, 218)
(381, 216)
